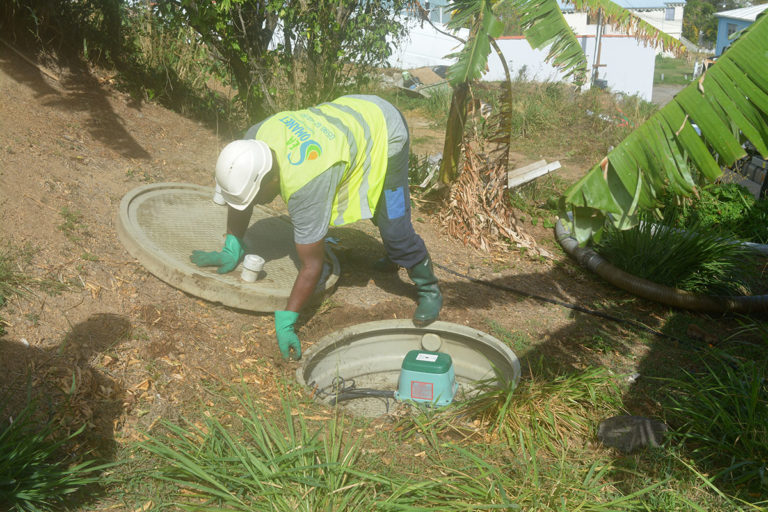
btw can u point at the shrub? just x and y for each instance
(726, 208)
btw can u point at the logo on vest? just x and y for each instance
(301, 140)
(309, 150)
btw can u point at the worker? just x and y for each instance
(333, 164)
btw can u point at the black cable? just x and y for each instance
(362, 393)
(341, 390)
(568, 305)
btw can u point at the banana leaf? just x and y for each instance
(729, 105)
(471, 61)
(543, 26)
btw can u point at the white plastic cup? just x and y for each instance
(252, 266)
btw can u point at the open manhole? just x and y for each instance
(369, 358)
(161, 224)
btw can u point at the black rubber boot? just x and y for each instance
(430, 298)
(385, 265)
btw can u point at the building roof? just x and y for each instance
(745, 13)
(638, 5)
(648, 4)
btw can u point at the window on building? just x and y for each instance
(730, 28)
(669, 13)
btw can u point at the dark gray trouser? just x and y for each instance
(393, 215)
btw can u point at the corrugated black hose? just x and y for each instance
(655, 291)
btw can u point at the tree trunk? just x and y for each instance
(454, 134)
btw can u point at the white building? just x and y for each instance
(625, 64)
(730, 22)
(665, 15)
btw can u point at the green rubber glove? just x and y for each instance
(286, 336)
(227, 259)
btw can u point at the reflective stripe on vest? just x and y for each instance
(366, 163)
(348, 130)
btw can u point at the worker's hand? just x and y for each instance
(289, 343)
(227, 259)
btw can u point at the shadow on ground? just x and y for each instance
(63, 387)
(78, 90)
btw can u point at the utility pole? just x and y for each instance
(598, 47)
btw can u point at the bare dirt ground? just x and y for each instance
(121, 349)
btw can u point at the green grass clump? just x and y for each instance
(514, 447)
(73, 226)
(34, 473)
(526, 450)
(16, 282)
(420, 167)
(545, 116)
(721, 415)
(438, 104)
(538, 199)
(536, 107)
(555, 408)
(13, 281)
(261, 464)
(696, 260)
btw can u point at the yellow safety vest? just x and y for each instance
(308, 142)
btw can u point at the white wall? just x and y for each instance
(578, 22)
(425, 46)
(629, 64)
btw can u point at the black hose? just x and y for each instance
(361, 393)
(655, 291)
(575, 307)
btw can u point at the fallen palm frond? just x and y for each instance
(478, 211)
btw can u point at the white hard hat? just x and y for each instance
(239, 170)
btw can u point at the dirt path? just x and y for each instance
(139, 349)
(663, 93)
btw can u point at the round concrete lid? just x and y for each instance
(162, 223)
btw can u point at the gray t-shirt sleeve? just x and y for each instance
(310, 207)
(251, 133)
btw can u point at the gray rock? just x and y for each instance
(628, 433)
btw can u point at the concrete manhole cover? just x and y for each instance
(369, 357)
(161, 224)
